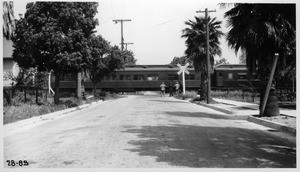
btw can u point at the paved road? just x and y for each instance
(150, 131)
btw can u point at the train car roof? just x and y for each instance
(231, 67)
(152, 68)
(225, 67)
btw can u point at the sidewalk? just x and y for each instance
(250, 111)
(241, 108)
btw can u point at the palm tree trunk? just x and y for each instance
(272, 107)
(203, 87)
(94, 88)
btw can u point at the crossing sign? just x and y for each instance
(183, 70)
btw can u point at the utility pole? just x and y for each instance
(126, 43)
(207, 52)
(122, 39)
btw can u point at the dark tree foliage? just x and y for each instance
(98, 64)
(53, 36)
(263, 30)
(105, 60)
(195, 36)
(221, 61)
(8, 19)
(180, 60)
(128, 57)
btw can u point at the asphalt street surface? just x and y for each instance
(150, 131)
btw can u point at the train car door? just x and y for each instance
(220, 78)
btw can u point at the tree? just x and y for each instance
(53, 36)
(196, 46)
(263, 30)
(106, 59)
(181, 60)
(242, 57)
(221, 61)
(8, 19)
(128, 58)
(98, 68)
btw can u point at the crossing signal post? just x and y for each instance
(183, 70)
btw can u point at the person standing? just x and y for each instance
(163, 89)
(171, 89)
(177, 86)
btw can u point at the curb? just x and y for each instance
(274, 125)
(72, 109)
(252, 118)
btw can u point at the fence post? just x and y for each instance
(36, 95)
(46, 92)
(7, 95)
(25, 94)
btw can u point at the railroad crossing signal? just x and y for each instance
(183, 70)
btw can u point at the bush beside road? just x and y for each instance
(20, 110)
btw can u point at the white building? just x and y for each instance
(10, 67)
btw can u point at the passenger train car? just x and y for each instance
(149, 77)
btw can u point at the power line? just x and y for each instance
(122, 39)
(127, 43)
(207, 52)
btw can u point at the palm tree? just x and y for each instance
(196, 46)
(262, 30)
(8, 19)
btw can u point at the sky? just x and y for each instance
(155, 28)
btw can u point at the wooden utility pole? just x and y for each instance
(262, 109)
(207, 52)
(127, 43)
(79, 85)
(122, 39)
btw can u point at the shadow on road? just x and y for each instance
(168, 101)
(198, 115)
(213, 147)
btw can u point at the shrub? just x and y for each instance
(188, 94)
(20, 110)
(44, 110)
(15, 113)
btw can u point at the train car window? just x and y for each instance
(152, 77)
(230, 76)
(124, 77)
(107, 78)
(172, 77)
(138, 77)
(242, 75)
(127, 77)
(62, 77)
(220, 74)
(190, 77)
(67, 77)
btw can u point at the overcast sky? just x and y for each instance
(155, 28)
